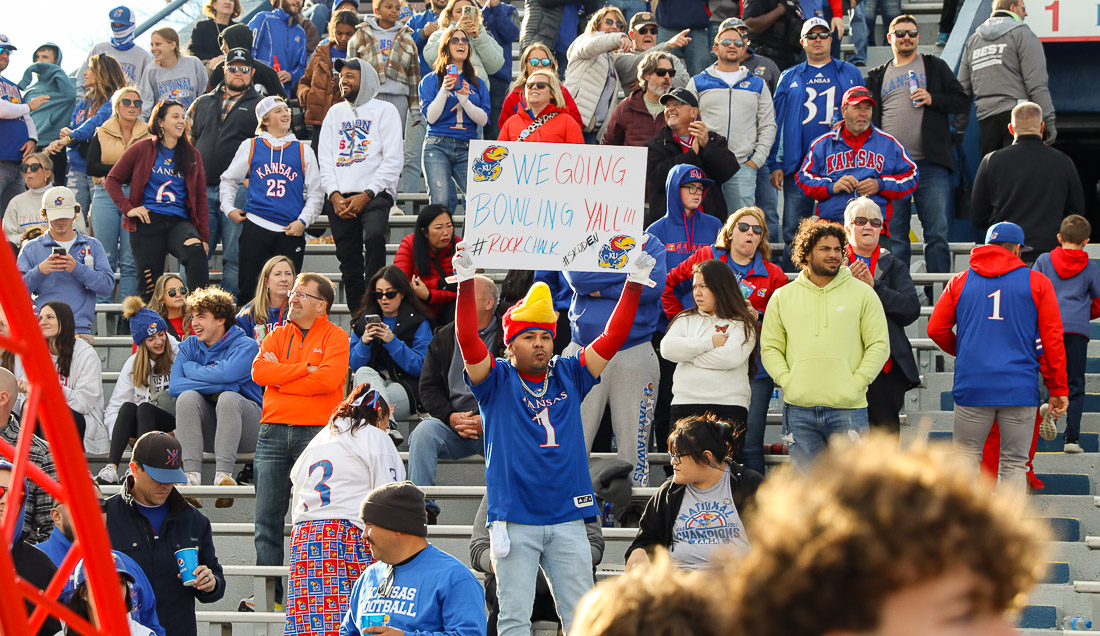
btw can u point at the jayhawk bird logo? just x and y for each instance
(487, 167)
(613, 255)
(58, 202)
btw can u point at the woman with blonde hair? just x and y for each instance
(743, 245)
(536, 57)
(267, 309)
(220, 15)
(543, 119)
(590, 75)
(486, 54)
(173, 76)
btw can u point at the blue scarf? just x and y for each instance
(123, 39)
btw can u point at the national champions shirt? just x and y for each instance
(706, 524)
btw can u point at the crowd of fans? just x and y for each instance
(738, 105)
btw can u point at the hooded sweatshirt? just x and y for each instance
(52, 116)
(392, 52)
(360, 145)
(1004, 316)
(1004, 63)
(83, 390)
(133, 62)
(824, 345)
(183, 82)
(1076, 283)
(281, 173)
(31, 564)
(225, 365)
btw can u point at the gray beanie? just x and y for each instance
(398, 507)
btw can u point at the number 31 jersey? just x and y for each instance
(337, 469)
(536, 464)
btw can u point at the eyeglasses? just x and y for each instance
(818, 35)
(460, 40)
(240, 70)
(539, 86)
(31, 167)
(127, 102)
(172, 293)
(694, 188)
(647, 30)
(862, 220)
(663, 72)
(900, 33)
(756, 229)
(539, 61)
(295, 292)
(676, 458)
(613, 22)
(728, 42)
(388, 295)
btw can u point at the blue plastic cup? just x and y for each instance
(372, 620)
(187, 559)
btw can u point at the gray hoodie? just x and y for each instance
(1003, 64)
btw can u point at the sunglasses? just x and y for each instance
(647, 30)
(539, 61)
(127, 102)
(176, 291)
(613, 22)
(818, 35)
(4, 490)
(862, 220)
(240, 70)
(900, 33)
(694, 188)
(539, 86)
(388, 295)
(460, 40)
(665, 72)
(728, 42)
(756, 229)
(31, 167)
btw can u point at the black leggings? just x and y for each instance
(257, 245)
(737, 415)
(167, 233)
(135, 420)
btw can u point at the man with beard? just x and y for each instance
(824, 340)
(360, 153)
(737, 105)
(643, 32)
(264, 78)
(857, 159)
(280, 41)
(220, 121)
(638, 118)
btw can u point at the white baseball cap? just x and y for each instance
(815, 22)
(268, 104)
(5, 43)
(59, 202)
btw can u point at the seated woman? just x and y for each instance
(170, 301)
(696, 513)
(425, 258)
(267, 309)
(390, 340)
(140, 402)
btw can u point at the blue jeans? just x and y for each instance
(445, 169)
(696, 55)
(931, 197)
(767, 199)
(810, 429)
(277, 448)
(859, 34)
(565, 555)
(107, 227)
(753, 456)
(81, 185)
(740, 190)
(415, 129)
(1077, 347)
(890, 10)
(431, 441)
(224, 229)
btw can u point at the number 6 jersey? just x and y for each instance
(536, 463)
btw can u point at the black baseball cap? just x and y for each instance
(239, 56)
(680, 95)
(160, 455)
(340, 64)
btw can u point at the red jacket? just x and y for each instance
(763, 280)
(561, 129)
(441, 262)
(514, 103)
(631, 124)
(134, 168)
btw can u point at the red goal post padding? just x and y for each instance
(46, 405)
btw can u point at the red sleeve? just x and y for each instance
(942, 322)
(472, 348)
(571, 106)
(838, 9)
(677, 275)
(201, 214)
(508, 109)
(608, 343)
(121, 173)
(776, 279)
(1094, 311)
(403, 259)
(1050, 333)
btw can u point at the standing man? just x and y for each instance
(919, 121)
(643, 32)
(18, 135)
(738, 106)
(132, 58)
(531, 417)
(280, 42)
(302, 364)
(1000, 309)
(806, 107)
(149, 521)
(639, 118)
(220, 121)
(1005, 184)
(360, 154)
(856, 160)
(775, 26)
(824, 341)
(1003, 64)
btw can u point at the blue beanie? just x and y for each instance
(144, 323)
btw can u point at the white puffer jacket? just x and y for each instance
(591, 59)
(706, 374)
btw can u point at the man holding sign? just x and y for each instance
(530, 403)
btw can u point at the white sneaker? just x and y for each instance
(1073, 447)
(223, 479)
(108, 475)
(1048, 430)
(194, 479)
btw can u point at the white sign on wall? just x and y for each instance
(1065, 20)
(546, 206)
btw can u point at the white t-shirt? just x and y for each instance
(336, 471)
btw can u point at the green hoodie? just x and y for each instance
(824, 345)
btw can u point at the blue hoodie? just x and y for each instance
(588, 314)
(275, 34)
(83, 126)
(52, 116)
(225, 366)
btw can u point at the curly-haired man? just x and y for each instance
(824, 340)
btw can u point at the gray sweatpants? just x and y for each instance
(1017, 424)
(228, 429)
(629, 385)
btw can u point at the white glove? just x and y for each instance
(643, 265)
(463, 264)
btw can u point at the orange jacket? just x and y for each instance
(294, 395)
(561, 129)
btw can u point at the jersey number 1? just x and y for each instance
(543, 418)
(996, 296)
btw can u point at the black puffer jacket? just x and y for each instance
(408, 321)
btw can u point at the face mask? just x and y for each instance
(123, 39)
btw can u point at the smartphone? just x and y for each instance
(468, 12)
(59, 251)
(373, 319)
